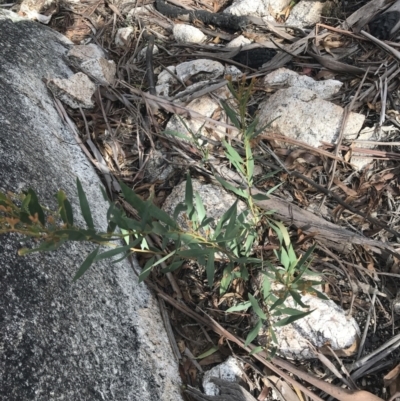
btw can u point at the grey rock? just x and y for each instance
(199, 70)
(75, 91)
(231, 370)
(102, 337)
(91, 60)
(283, 78)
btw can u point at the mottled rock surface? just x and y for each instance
(101, 338)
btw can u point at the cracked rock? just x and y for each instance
(91, 60)
(284, 78)
(76, 91)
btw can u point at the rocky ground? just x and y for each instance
(324, 79)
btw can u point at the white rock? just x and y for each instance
(215, 199)
(142, 53)
(238, 42)
(76, 91)
(165, 77)
(305, 13)
(91, 60)
(300, 114)
(123, 36)
(233, 71)
(231, 370)
(188, 34)
(209, 68)
(165, 80)
(328, 324)
(283, 78)
(257, 8)
(204, 105)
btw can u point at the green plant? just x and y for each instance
(231, 239)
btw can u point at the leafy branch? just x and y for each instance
(230, 240)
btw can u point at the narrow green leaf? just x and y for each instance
(248, 246)
(180, 207)
(179, 135)
(253, 333)
(297, 297)
(292, 256)
(284, 232)
(211, 351)
(69, 212)
(288, 311)
(159, 261)
(290, 319)
(210, 268)
(105, 195)
(147, 269)
(319, 294)
(250, 168)
(111, 226)
(264, 127)
(283, 258)
(274, 188)
(112, 252)
(201, 211)
(239, 307)
(126, 235)
(226, 278)
(278, 302)
(158, 228)
(141, 206)
(234, 157)
(34, 206)
(260, 197)
(266, 287)
(86, 264)
(256, 350)
(229, 187)
(231, 114)
(25, 203)
(173, 266)
(244, 273)
(206, 222)
(85, 208)
(305, 257)
(256, 307)
(273, 336)
(272, 352)
(225, 217)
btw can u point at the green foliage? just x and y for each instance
(230, 240)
